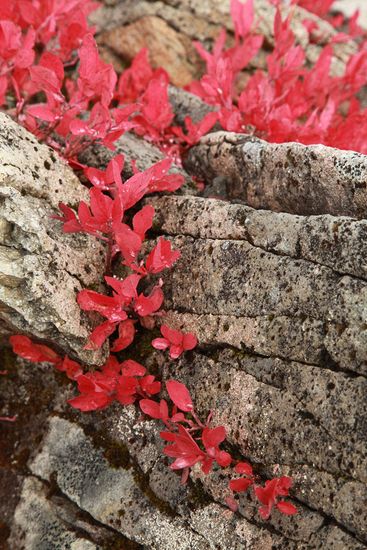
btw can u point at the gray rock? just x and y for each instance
(42, 269)
(110, 495)
(286, 177)
(36, 524)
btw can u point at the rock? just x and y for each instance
(37, 525)
(325, 240)
(186, 104)
(167, 48)
(110, 495)
(269, 304)
(42, 269)
(286, 177)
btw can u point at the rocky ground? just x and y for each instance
(273, 282)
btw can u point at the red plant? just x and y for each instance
(268, 496)
(176, 341)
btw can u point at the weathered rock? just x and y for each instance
(110, 495)
(286, 177)
(37, 525)
(107, 472)
(324, 240)
(42, 269)
(186, 104)
(269, 304)
(167, 48)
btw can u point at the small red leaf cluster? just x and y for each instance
(176, 341)
(104, 217)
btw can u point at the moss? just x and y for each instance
(198, 497)
(142, 480)
(118, 456)
(115, 452)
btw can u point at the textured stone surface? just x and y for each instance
(37, 525)
(91, 478)
(281, 361)
(287, 177)
(324, 240)
(278, 301)
(167, 48)
(41, 269)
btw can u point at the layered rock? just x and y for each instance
(283, 177)
(42, 269)
(281, 320)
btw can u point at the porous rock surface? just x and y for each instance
(284, 177)
(42, 269)
(281, 320)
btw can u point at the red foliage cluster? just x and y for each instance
(290, 101)
(110, 198)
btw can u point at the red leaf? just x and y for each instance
(286, 508)
(128, 242)
(244, 468)
(173, 336)
(100, 335)
(146, 305)
(72, 368)
(189, 341)
(223, 458)
(90, 402)
(161, 257)
(213, 437)
(37, 353)
(126, 336)
(232, 504)
(151, 408)
(132, 368)
(180, 395)
(240, 485)
(142, 221)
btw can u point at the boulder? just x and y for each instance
(41, 268)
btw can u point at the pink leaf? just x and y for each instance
(240, 485)
(286, 508)
(160, 343)
(180, 395)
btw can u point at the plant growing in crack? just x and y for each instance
(53, 81)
